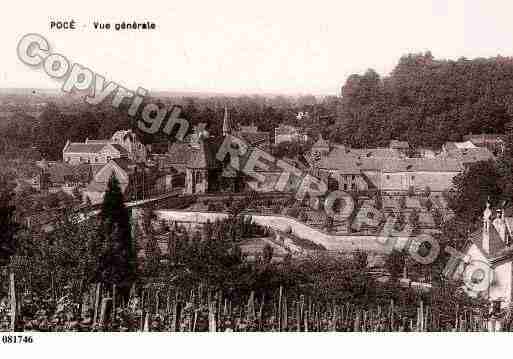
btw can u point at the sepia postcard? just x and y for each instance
(237, 167)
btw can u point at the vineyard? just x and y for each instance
(164, 307)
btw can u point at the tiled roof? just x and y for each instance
(341, 161)
(124, 163)
(84, 148)
(120, 149)
(470, 155)
(354, 161)
(412, 165)
(96, 167)
(483, 137)
(98, 142)
(496, 244)
(432, 165)
(379, 152)
(97, 186)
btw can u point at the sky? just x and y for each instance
(251, 47)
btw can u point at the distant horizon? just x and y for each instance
(202, 93)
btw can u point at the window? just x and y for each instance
(353, 177)
(353, 187)
(388, 177)
(413, 178)
(345, 186)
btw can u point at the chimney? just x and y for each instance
(487, 214)
(500, 224)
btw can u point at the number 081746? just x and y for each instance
(17, 339)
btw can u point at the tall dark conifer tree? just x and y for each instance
(117, 259)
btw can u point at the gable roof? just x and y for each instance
(496, 245)
(379, 152)
(120, 149)
(483, 138)
(98, 142)
(340, 161)
(75, 147)
(471, 155)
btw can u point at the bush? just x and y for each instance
(437, 217)
(394, 263)
(303, 217)
(360, 259)
(428, 204)
(267, 253)
(402, 202)
(293, 212)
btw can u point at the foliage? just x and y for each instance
(423, 102)
(395, 263)
(378, 202)
(437, 216)
(8, 226)
(402, 202)
(267, 253)
(414, 219)
(473, 188)
(399, 222)
(360, 259)
(114, 248)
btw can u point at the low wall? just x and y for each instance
(343, 243)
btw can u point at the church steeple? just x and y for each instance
(227, 127)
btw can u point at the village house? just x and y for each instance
(492, 245)
(136, 180)
(385, 169)
(390, 169)
(123, 144)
